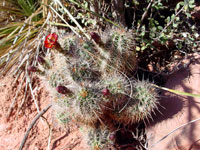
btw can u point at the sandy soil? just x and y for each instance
(13, 128)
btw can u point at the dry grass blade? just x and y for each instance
(44, 8)
(33, 96)
(25, 96)
(49, 139)
(73, 19)
(72, 28)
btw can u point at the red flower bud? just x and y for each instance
(62, 89)
(32, 69)
(95, 37)
(50, 40)
(105, 92)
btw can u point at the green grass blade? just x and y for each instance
(28, 7)
(177, 92)
(25, 7)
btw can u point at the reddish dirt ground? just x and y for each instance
(12, 129)
(178, 111)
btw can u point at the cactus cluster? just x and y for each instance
(91, 85)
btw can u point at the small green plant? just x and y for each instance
(116, 83)
(98, 138)
(62, 107)
(62, 117)
(120, 49)
(86, 106)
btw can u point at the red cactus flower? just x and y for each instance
(51, 40)
(32, 69)
(95, 37)
(105, 92)
(62, 89)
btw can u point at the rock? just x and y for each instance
(178, 111)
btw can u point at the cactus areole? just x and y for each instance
(50, 40)
(84, 94)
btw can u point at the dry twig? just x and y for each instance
(32, 124)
